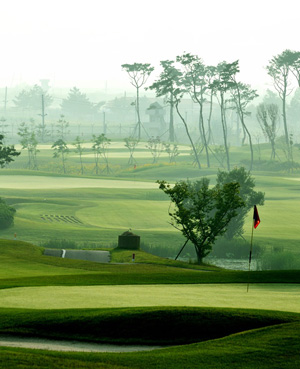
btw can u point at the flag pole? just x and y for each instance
(250, 254)
(256, 221)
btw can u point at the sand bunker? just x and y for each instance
(55, 345)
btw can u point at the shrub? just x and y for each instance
(236, 248)
(279, 260)
(7, 214)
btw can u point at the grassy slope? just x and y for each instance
(271, 347)
(208, 322)
(24, 265)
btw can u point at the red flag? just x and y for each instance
(256, 219)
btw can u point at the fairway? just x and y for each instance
(283, 297)
(44, 182)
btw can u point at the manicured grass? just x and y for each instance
(107, 212)
(283, 297)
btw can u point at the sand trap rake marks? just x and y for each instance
(61, 219)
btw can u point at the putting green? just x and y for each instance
(44, 182)
(283, 297)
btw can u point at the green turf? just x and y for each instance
(105, 213)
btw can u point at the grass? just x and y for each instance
(107, 212)
(159, 300)
(146, 324)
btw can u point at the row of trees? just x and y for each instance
(76, 104)
(188, 75)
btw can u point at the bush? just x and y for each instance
(234, 249)
(279, 260)
(7, 214)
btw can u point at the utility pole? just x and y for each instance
(43, 118)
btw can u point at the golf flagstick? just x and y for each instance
(256, 221)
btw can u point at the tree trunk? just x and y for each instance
(171, 125)
(286, 133)
(138, 113)
(189, 136)
(202, 129)
(224, 127)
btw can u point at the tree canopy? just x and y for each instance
(78, 104)
(249, 196)
(7, 214)
(202, 213)
(32, 99)
(7, 153)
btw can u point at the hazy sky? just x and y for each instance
(84, 43)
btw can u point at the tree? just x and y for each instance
(195, 80)
(62, 127)
(242, 95)
(7, 153)
(7, 214)
(221, 84)
(77, 105)
(100, 147)
(61, 150)
(28, 141)
(280, 68)
(138, 74)
(268, 118)
(172, 150)
(32, 99)
(155, 146)
(201, 212)
(131, 144)
(79, 149)
(246, 191)
(170, 85)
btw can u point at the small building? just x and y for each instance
(129, 241)
(156, 125)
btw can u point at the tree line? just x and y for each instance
(188, 75)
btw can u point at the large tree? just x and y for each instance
(170, 85)
(77, 105)
(138, 74)
(280, 68)
(201, 212)
(195, 80)
(33, 99)
(242, 95)
(221, 85)
(249, 196)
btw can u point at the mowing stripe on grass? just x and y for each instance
(283, 297)
(43, 182)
